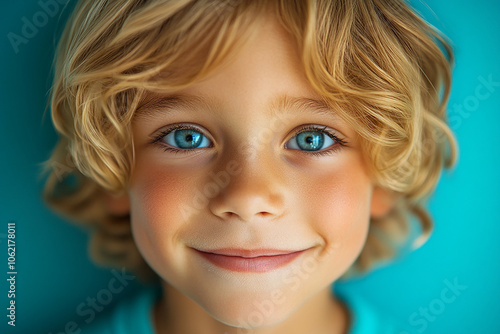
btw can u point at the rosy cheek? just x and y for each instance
(157, 194)
(340, 202)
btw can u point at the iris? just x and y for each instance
(310, 140)
(187, 138)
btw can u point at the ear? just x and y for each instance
(117, 205)
(383, 200)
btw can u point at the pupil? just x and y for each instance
(309, 140)
(189, 137)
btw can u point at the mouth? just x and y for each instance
(240, 260)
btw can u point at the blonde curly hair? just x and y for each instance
(386, 71)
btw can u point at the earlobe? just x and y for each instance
(118, 205)
(383, 200)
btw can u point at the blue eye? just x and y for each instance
(184, 138)
(312, 139)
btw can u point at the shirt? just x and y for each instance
(135, 316)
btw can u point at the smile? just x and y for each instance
(249, 260)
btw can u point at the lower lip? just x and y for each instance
(254, 264)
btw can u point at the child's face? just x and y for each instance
(249, 186)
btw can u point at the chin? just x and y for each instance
(249, 313)
(252, 319)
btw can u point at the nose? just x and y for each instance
(254, 192)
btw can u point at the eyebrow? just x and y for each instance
(280, 105)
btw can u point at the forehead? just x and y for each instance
(267, 68)
(265, 78)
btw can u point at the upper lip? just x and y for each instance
(249, 253)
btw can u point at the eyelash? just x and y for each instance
(340, 141)
(162, 134)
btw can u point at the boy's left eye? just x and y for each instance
(310, 141)
(314, 138)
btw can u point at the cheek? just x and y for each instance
(338, 204)
(343, 202)
(158, 195)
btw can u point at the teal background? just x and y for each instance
(55, 275)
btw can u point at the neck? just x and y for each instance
(174, 314)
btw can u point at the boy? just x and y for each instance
(247, 154)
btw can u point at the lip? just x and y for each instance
(259, 260)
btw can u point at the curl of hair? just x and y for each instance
(377, 63)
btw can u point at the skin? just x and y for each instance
(275, 197)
